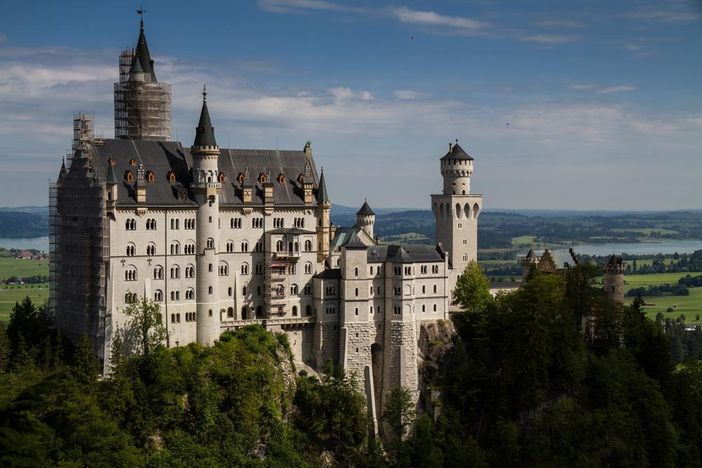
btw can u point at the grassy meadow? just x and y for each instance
(689, 306)
(10, 294)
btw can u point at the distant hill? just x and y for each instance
(17, 225)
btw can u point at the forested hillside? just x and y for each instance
(519, 386)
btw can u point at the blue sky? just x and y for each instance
(584, 105)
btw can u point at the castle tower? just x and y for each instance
(142, 104)
(456, 211)
(206, 188)
(324, 227)
(365, 219)
(613, 283)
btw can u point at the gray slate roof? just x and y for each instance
(457, 152)
(162, 157)
(204, 133)
(407, 253)
(365, 210)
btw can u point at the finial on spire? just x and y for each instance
(204, 93)
(141, 12)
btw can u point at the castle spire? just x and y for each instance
(141, 52)
(322, 195)
(204, 133)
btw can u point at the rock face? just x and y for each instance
(435, 340)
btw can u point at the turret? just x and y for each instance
(613, 283)
(324, 227)
(206, 188)
(456, 169)
(142, 104)
(365, 219)
(456, 211)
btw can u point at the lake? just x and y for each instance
(639, 248)
(39, 243)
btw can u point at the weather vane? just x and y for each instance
(141, 12)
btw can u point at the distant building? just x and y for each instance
(223, 238)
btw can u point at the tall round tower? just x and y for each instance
(456, 211)
(365, 219)
(613, 283)
(206, 187)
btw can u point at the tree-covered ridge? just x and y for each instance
(238, 403)
(521, 386)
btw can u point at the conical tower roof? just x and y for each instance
(111, 176)
(63, 171)
(322, 195)
(204, 133)
(456, 152)
(142, 54)
(365, 210)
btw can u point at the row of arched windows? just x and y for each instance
(444, 210)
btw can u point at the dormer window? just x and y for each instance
(171, 176)
(220, 177)
(150, 176)
(132, 162)
(262, 178)
(128, 176)
(240, 177)
(301, 178)
(281, 179)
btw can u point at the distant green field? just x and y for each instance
(523, 240)
(22, 268)
(689, 306)
(9, 295)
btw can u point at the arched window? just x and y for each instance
(230, 312)
(150, 176)
(130, 298)
(279, 246)
(131, 250)
(308, 245)
(230, 246)
(294, 311)
(223, 269)
(158, 295)
(355, 272)
(151, 249)
(210, 243)
(220, 177)
(158, 272)
(293, 290)
(175, 248)
(130, 274)
(244, 268)
(308, 268)
(189, 271)
(209, 267)
(190, 294)
(280, 290)
(245, 246)
(175, 272)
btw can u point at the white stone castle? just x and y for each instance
(224, 238)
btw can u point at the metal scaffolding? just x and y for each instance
(142, 106)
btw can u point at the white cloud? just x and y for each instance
(616, 89)
(407, 94)
(599, 89)
(561, 24)
(549, 39)
(297, 6)
(582, 86)
(671, 15)
(430, 18)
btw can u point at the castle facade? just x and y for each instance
(223, 238)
